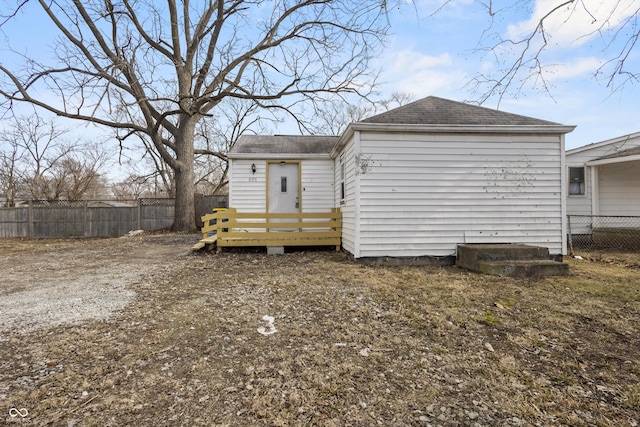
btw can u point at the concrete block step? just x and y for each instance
(524, 268)
(473, 253)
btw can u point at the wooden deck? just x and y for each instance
(229, 228)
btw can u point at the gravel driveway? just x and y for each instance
(51, 282)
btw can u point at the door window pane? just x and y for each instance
(283, 184)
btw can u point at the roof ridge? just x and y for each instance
(435, 110)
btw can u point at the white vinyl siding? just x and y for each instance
(619, 193)
(422, 194)
(581, 204)
(248, 191)
(347, 205)
(317, 185)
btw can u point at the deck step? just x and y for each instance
(512, 260)
(207, 241)
(198, 246)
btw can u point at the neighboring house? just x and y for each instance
(109, 204)
(416, 181)
(604, 177)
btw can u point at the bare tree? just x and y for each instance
(134, 187)
(39, 145)
(10, 157)
(215, 136)
(332, 118)
(41, 163)
(142, 68)
(77, 176)
(613, 26)
(156, 170)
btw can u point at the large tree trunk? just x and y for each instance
(185, 217)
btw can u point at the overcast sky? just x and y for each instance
(438, 54)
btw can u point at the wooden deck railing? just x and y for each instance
(230, 228)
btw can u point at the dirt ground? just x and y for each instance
(52, 282)
(139, 331)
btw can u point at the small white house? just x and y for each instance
(418, 180)
(604, 177)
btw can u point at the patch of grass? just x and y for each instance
(632, 395)
(505, 302)
(634, 367)
(563, 379)
(489, 317)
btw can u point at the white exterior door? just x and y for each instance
(284, 188)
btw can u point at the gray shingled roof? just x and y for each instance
(284, 144)
(427, 111)
(438, 111)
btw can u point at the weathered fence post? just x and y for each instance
(139, 214)
(570, 237)
(85, 220)
(30, 226)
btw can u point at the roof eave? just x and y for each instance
(612, 160)
(278, 156)
(342, 140)
(605, 142)
(393, 127)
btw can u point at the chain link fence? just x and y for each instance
(603, 233)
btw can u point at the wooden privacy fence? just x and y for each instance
(96, 218)
(230, 228)
(67, 219)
